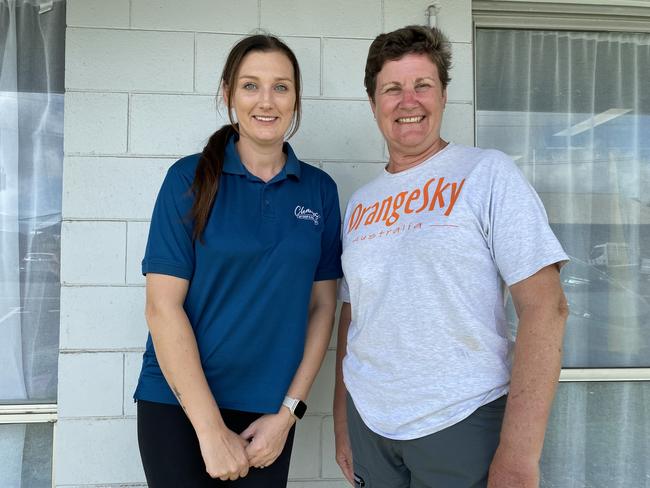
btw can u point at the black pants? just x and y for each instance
(171, 455)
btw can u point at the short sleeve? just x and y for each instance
(329, 265)
(170, 249)
(520, 237)
(343, 291)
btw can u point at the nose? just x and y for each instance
(409, 98)
(266, 97)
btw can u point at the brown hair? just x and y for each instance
(412, 39)
(210, 166)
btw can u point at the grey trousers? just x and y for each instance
(456, 457)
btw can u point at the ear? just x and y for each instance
(225, 93)
(444, 98)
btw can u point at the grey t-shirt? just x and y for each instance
(425, 254)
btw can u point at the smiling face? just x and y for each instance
(409, 102)
(263, 98)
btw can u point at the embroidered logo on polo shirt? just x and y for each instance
(303, 213)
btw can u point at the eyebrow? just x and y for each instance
(417, 80)
(252, 77)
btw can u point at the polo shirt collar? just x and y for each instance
(233, 164)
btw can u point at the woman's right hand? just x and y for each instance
(344, 453)
(224, 454)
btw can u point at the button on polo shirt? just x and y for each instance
(250, 280)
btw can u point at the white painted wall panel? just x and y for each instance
(136, 236)
(132, 365)
(173, 124)
(102, 317)
(122, 60)
(97, 451)
(336, 129)
(90, 384)
(97, 13)
(344, 61)
(458, 123)
(361, 18)
(195, 15)
(330, 468)
(96, 122)
(112, 188)
(305, 459)
(461, 86)
(93, 252)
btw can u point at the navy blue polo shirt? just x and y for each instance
(250, 279)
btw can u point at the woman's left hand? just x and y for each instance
(266, 437)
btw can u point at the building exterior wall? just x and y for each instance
(141, 77)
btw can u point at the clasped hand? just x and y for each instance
(229, 456)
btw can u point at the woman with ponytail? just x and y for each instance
(241, 264)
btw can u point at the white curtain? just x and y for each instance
(572, 109)
(31, 154)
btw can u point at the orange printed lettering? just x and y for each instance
(415, 194)
(389, 210)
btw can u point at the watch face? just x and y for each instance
(300, 409)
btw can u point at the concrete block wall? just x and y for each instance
(141, 78)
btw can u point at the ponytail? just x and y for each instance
(206, 179)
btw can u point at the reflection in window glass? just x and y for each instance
(31, 162)
(598, 436)
(573, 110)
(26, 455)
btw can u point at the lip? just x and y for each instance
(421, 117)
(265, 119)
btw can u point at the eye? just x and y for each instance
(249, 85)
(281, 88)
(422, 86)
(392, 89)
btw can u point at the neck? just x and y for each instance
(400, 161)
(262, 161)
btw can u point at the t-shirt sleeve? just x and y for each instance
(343, 291)
(170, 249)
(329, 266)
(520, 238)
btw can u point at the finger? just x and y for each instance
(248, 433)
(348, 472)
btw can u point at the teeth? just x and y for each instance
(410, 120)
(264, 119)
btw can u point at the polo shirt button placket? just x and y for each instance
(267, 208)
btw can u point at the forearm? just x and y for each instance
(535, 373)
(319, 332)
(178, 356)
(339, 407)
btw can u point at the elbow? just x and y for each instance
(563, 308)
(155, 312)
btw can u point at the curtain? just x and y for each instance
(31, 155)
(572, 109)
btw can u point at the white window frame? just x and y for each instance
(575, 16)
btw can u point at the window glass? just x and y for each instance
(26, 455)
(571, 108)
(598, 435)
(31, 163)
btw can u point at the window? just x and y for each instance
(31, 156)
(565, 94)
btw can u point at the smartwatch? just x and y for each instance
(295, 406)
